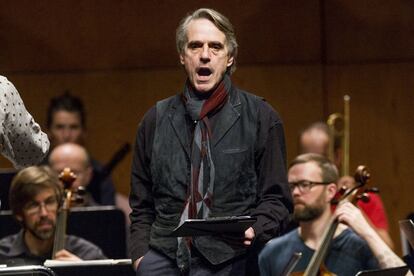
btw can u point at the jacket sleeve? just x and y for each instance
(141, 200)
(274, 204)
(21, 139)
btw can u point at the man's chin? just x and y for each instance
(203, 87)
(44, 235)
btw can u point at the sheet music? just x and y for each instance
(57, 263)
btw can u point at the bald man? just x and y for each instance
(75, 157)
(315, 139)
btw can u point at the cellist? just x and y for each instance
(355, 246)
(34, 199)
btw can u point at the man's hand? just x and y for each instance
(64, 255)
(350, 215)
(249, 236)
(136, 263)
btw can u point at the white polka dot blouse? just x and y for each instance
(21, 139)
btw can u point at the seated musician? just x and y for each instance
(75, 157)
(315, 138)
(35, 194)
(355, 246)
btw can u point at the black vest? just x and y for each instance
(233, 145)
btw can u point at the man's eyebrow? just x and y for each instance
(208, 42)
(215, 43)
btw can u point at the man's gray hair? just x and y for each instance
(220, 21)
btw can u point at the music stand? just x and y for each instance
(6, 177)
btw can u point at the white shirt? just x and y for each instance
(21, 139)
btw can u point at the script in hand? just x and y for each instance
(214, 225)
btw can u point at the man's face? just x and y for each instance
(315, 141)
(39, 215)
(66, 127)
(76, 161)
(310, 205)
(205, 56)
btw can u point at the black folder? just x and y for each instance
(214, 226)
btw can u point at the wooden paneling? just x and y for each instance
(99, 35)
(361, 31)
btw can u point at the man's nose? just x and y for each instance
(66, 134)
(295, 191)
(43, 210)
(205, 54)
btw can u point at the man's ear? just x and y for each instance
(331, 189)
(230, 61)
(182, 59)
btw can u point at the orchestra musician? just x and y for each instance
(21, 139)
(35, 196)
(355, 246)
(75, 157)
(212, 150)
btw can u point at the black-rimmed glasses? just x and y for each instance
(305, 186)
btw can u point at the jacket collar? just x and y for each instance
(226, 118)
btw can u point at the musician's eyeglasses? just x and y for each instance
(305, 186)
(34, 207)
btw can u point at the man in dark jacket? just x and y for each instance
(211, 151)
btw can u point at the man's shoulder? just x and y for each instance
(247, 94)
(263, 107)
(349, 239)
(151, 113)
(280, 242)
(8, 243)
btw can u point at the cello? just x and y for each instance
(69, 195)
(316, 266)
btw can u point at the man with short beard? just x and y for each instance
(356, 245)
(35, 195)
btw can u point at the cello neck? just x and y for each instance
(320, 254)
(60, 232)
(67, 177)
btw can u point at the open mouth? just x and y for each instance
(204, 72)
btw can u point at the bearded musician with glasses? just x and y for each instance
(35, 194)
(355, 246)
